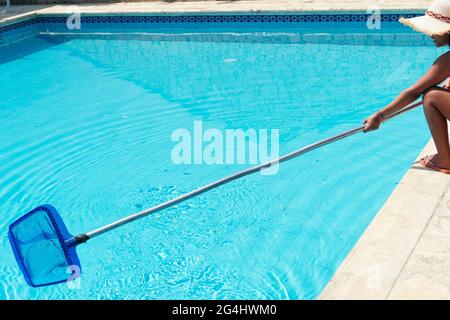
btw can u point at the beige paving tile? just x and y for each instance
(436, 236)
(426, 276)
(259, 5)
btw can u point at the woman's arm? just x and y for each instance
(439, 71)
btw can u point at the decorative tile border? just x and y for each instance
(239, 18)
(17, 25)
(248, 18)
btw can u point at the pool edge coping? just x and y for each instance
(383, 263)
(120, 9)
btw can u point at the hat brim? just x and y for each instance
(428, 25)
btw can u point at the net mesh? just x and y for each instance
(38, 240)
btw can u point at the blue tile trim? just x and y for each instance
(228, 18)
(351, 17)
(17, 25)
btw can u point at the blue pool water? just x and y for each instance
(86, 123)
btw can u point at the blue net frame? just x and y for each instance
(39, 240)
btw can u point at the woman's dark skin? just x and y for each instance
(436, 103)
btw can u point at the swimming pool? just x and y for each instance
(86, 121)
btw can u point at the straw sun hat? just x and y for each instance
(435, 22)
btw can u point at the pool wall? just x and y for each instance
(13, 30)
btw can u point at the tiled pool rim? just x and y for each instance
(9, 26)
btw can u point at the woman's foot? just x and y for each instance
(437, 163)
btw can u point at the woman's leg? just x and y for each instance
(436, 105)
